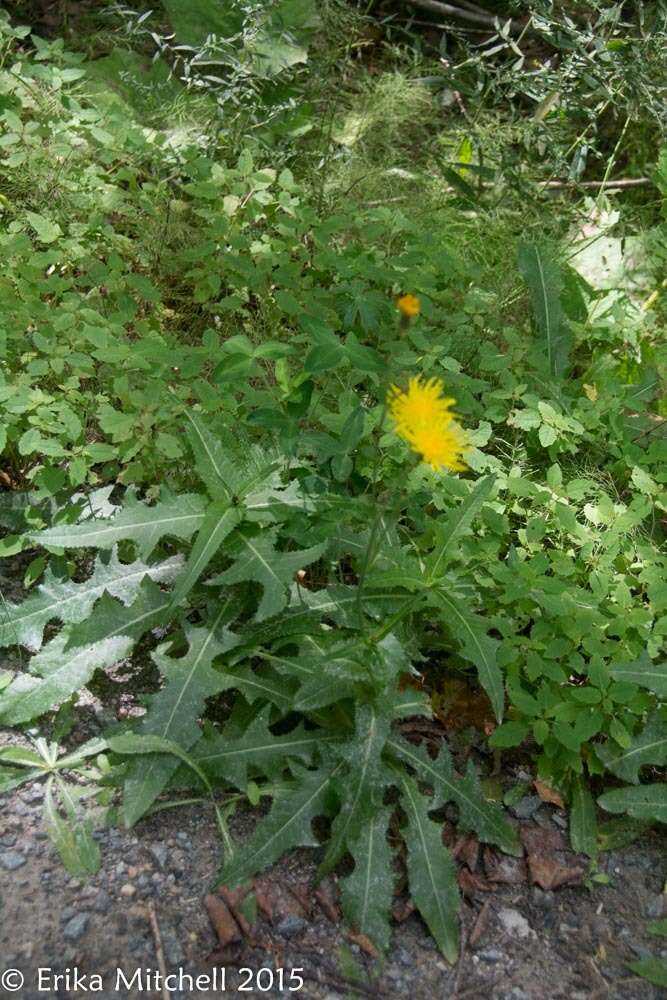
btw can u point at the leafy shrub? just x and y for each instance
(196, 365)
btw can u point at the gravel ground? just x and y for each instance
(572, 942)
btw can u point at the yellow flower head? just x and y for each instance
(422, 416)
(408, 306)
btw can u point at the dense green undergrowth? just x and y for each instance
(198, 337)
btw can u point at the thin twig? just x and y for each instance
(623, 184)
(159, 950)
(448, 10)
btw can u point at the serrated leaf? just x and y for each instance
(61, 674)
(457, 522)
(257, 559)
(173, 712)
(177, 517)
(366, 894)
(72, 838)
(229, 759)
(362, 784)
(638, 801)
(583, 821)
(217, 470)
(543, 276)
(648, 747)
(644, 672)
(288, 825)
(431, 871)
(224, 474)
(476, 813)
(69, 602)
(652, 969)
(111, 617)
(219, 522)
(478, 647)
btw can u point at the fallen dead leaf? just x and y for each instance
(503, 868)
(547, 872)
(402, 910)
(470, 885)
(466, 850)
(480, 924)
(548, 794)
(277, 899)
(364, 943)
(537, 840)
(225, 926)
(327, 896)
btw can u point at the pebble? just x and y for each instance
(542, 898)
(491, 955)
(11, 860)
(515, 923)
(127, 889)
(291, 925)
(160, 852)
(403, 956)
(654, 907)
(75, 927)
(102, 902)
(525, 808)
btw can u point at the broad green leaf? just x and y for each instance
(288, 825)
(47, 231)
(543, 276)
(583, 821)
(648, 747)
(220, 520)
(218, 471)
(174, 712)
(177, 517)
(70, 602)
(457, 522)
(72, 838)
(644, 672)
(639, 801)
(476, 813)
(136, 743)
(652, 969)
(366, 894)
(11, 778)
(431, 870)
(257, 559)
(476, 646)
(225, 473)
(111, 617)
(229, 759)
(362, 784)
(61, 674)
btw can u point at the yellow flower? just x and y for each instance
(422, 416)
(408, 306)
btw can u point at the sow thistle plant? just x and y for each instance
(245, 576)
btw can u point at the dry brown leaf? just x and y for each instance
(548, 794)
(225, 926)
(547, 872)
(503, 868)
(480, 924)
(470, 885)
(278, 899)
(538, 841)
(364, 943)
(402, 910)
(466, 850)
(327, 896)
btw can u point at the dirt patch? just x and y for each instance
(523, 942)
